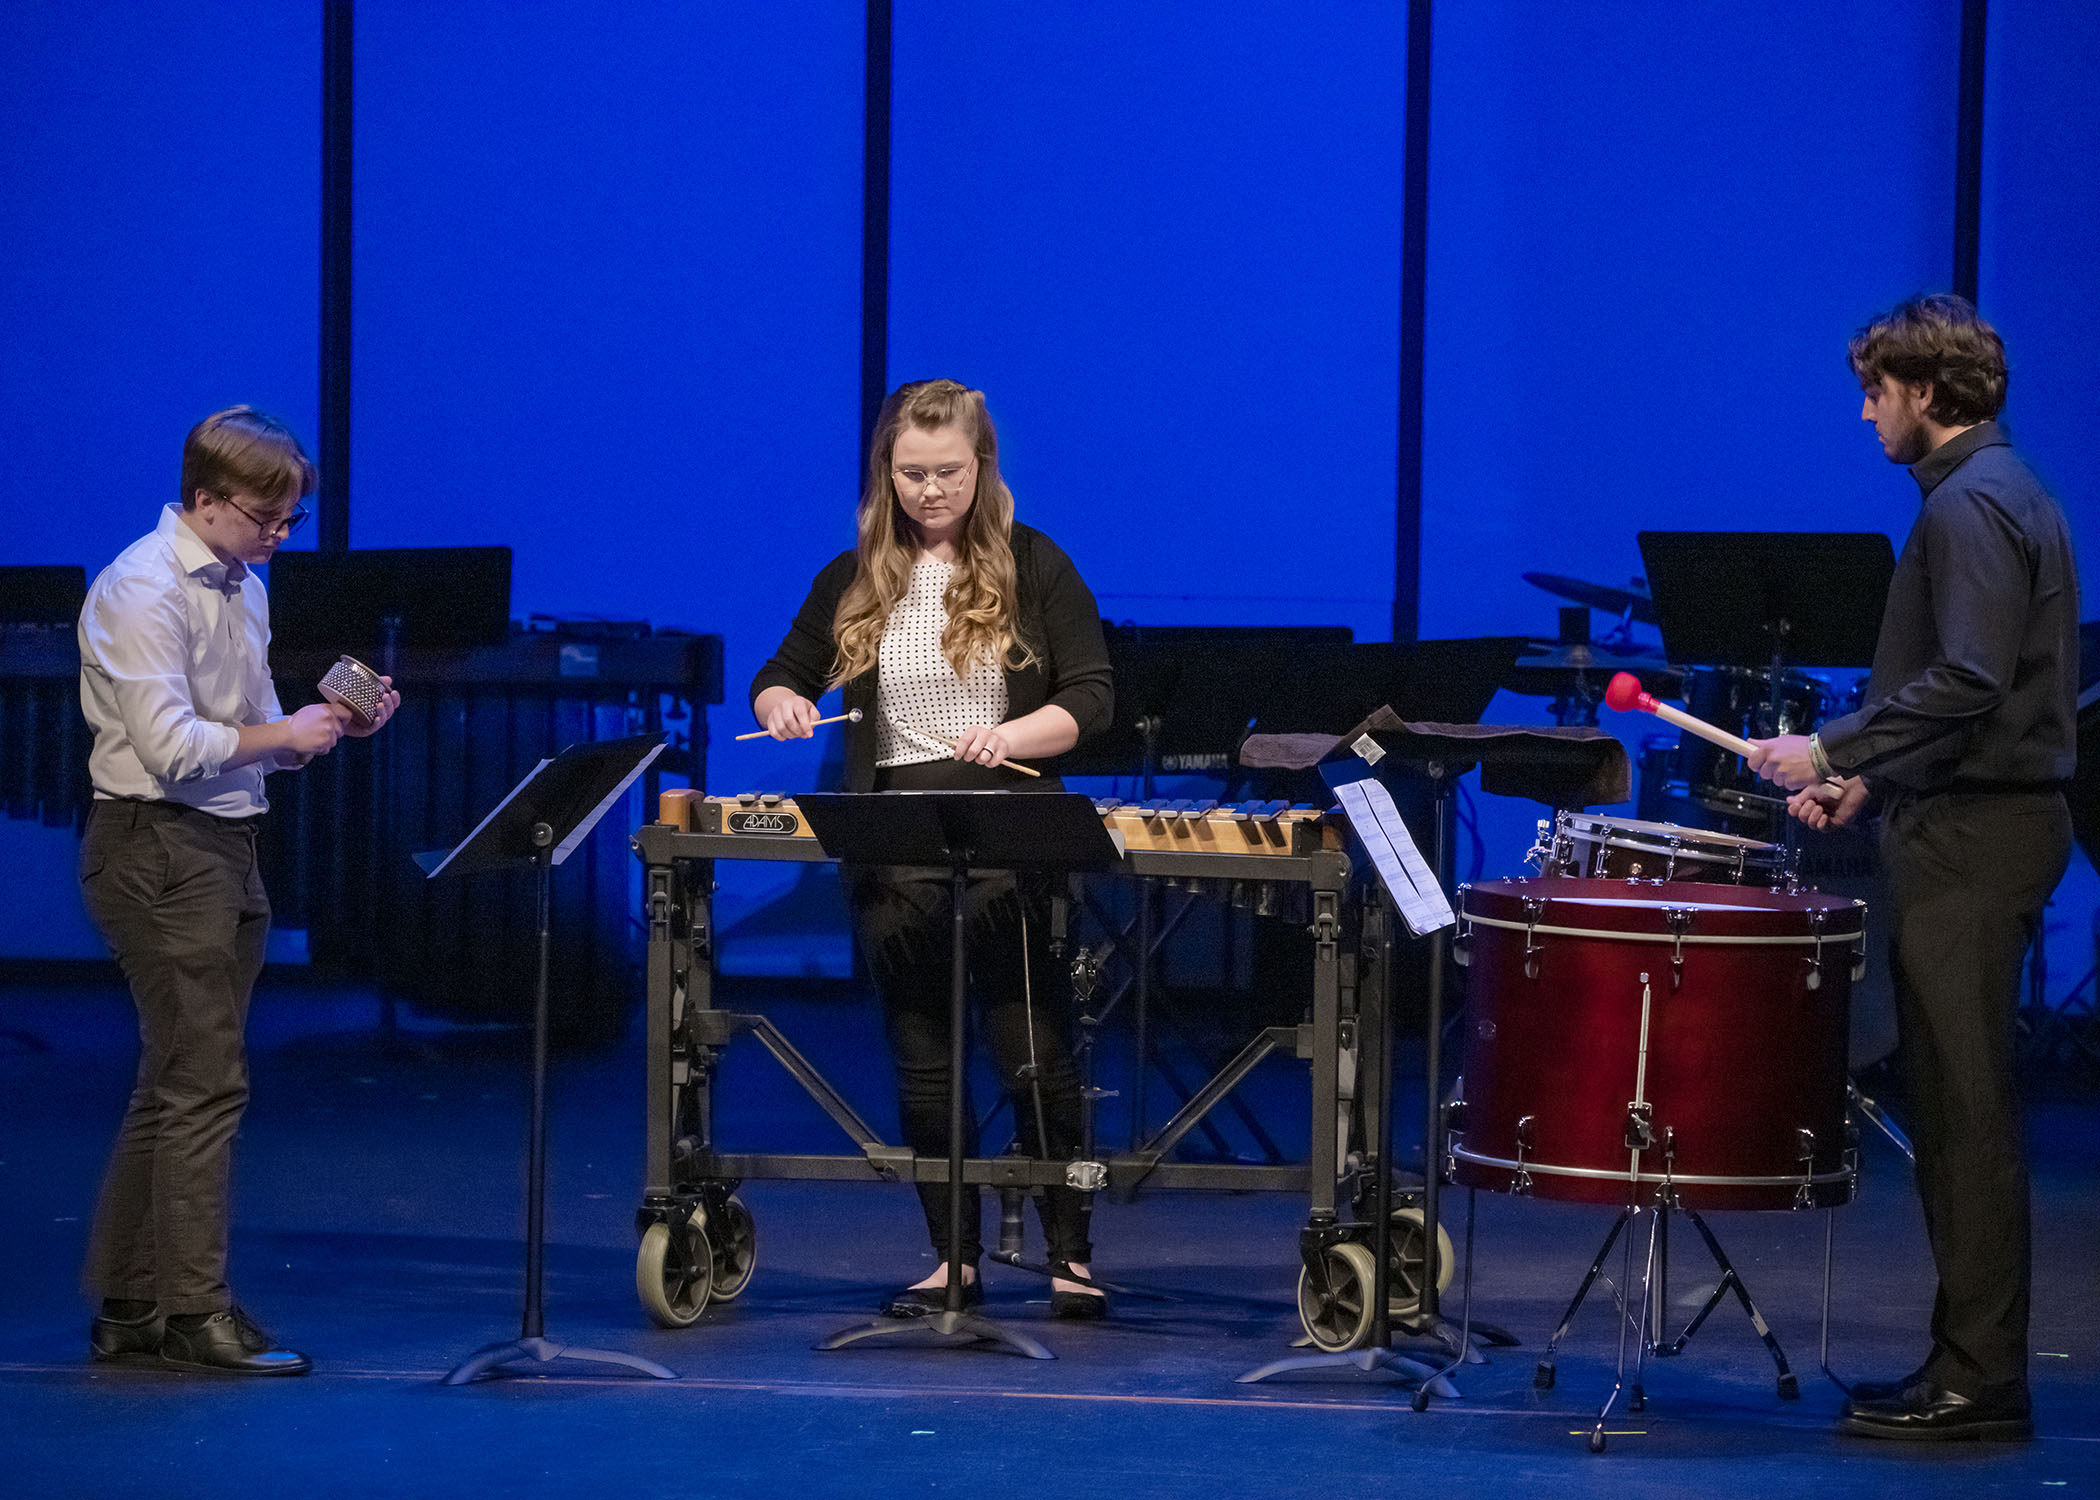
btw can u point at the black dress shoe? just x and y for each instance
(921, 1301)
(1928, 1413)
(229, 1343)
(121, 1339)
(1885, 1390)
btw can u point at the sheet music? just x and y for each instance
(1407, 876)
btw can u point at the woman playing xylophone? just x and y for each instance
(967, 642)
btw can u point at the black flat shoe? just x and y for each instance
(1927, 1413)
(922, 1301)
(125, 1339)
(1078, 1307)
(229, 1343)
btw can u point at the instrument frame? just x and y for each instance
(686, 1034)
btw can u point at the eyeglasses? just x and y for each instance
(947, 476)
(286, 524)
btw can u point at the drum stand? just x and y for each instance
(1653, 1304)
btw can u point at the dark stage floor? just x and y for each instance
(378, 1210)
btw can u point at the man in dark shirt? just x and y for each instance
(1966, 737)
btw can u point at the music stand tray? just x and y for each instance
(1768, 599)
(540, 823)
(964, 831)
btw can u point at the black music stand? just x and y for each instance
(962, 830)
(542, 822)
(1378, 1353)
(1768, 599)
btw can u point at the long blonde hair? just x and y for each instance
(981, 595)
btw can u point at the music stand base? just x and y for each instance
(1364, 1361)
(541, 1351)
(948, 1328)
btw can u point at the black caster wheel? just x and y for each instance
(1789, 1388)
(1597, 1441)
(733, 1235)
(1542, 1377)
(672, 1272)
(1342, 1318)
(1404, 1278)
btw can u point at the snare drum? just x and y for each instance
(1629, 849)
(1630, 1042)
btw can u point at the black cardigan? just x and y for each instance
(1054, 613)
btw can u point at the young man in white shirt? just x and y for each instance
(175, 682)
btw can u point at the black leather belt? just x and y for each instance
(140, 812)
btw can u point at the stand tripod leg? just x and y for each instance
(946, 1327)
(532, 1343)
(1542, 1378)
(1465, 1327)
(541, 1351)
(1626, 1304)
(1789, 1387)
(951, 1325)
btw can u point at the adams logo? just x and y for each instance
(775, 823)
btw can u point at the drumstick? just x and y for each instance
(1012, 765)
(1625, 693)
(851, 716)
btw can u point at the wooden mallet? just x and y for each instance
(1625, 695)
(851, 716)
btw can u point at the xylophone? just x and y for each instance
(1156, 826)
(1291, 862)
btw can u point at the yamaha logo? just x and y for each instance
(775, 823)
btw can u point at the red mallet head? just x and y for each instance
(1624, 694)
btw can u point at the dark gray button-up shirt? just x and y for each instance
(1975, 675)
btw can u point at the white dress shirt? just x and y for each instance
(174, 658)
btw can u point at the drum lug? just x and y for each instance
(1805, 1144)
(1534, 908)
(1815, 962)
(1678, 919)
(1521, 1183)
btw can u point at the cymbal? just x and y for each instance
(1633, 601)
(1554, 669)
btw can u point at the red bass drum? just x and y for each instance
(1627, 1036)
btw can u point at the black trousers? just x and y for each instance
(1969, 875)
(904, 918)
(179, 899)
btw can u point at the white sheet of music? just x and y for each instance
(1407, 876)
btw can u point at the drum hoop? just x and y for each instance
(1717, 940)
(1750, 852)
(1685, 1179)
(1589, 828)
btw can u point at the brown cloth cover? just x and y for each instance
(1559, 767)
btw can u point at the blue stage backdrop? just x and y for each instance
(608, 285)
(159, 192)
(1165, 240)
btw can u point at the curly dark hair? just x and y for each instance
(1940, 341)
